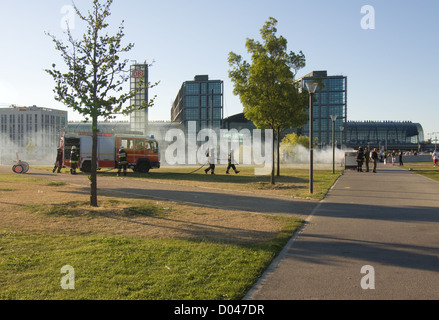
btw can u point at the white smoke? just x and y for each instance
(28, 151)
(299, 155)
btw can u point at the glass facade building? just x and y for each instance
(384, 135)
(330, 99)
(201, 101)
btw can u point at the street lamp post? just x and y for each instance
(341, 134)
(435, 139)
(333, 118)
(311, 86)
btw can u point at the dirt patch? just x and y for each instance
(22, 200)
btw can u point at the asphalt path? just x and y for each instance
(374, 237)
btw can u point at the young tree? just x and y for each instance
(292, 140)
(95, 75)
(267, 87)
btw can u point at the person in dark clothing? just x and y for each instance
(123, 162)
(58, 161)
(367, 158)
(360, 159)
(231, 163)
(400, 158)
(374, 159)
(74, 160)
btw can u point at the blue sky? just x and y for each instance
(392, 69)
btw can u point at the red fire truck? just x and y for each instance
(142, 151)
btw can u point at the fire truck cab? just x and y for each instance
(142, 151)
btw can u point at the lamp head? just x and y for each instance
(311, 86)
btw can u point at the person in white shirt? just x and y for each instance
(212, 161)
(435, 157)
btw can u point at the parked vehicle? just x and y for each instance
(143, 151)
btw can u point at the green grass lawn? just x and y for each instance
(130, 268)
(124, 267)
(424, 168)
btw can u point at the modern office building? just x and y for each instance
(200, 100)
(139, 81)
(330, 100)
(384, 135)
(30, 130)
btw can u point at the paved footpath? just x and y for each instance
(387, 221)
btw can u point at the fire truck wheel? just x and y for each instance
(143, 167)
(17, 168)
(86, 167)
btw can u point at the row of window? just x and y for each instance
(138, 144)
(202, 113)
(18, 122)
(203, 87)
(330, 97)
(203, 101)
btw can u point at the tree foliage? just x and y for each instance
(292, 139)
(267, 88)
(93, 75)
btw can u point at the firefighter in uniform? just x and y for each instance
(122, 161)
(74, 160)
(360, 159)
(231, 163)
(211, 159)
(58, 161)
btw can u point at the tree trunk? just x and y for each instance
(278, 151)
(272, 161)
(93, 178)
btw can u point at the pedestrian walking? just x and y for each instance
(360, 159)
(374, 157)
(435, 157)
(58, 161)
(231, 162)
(123, 161)
(74, 160)
(393, 155)
(211, 160)
(400, 158)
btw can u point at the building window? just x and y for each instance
(216, 87)
(192, 88)
(203, 88)
(217, 101)
(217, 113)
(336, 84)
(203, 101)
(192, 114)
(192, 101)
(204, 113)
